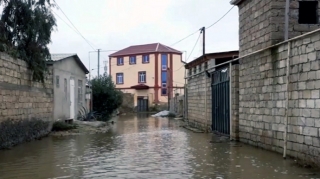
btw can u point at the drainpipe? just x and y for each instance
(230, 98)
(185, 112)
(287, 104)
(286, 37)
(205, 101)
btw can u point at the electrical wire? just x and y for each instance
(65, 22)
(90, 44)
(191, 52)
(185, 38)
(206, 27)
(220, 18)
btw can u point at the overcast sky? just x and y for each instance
(117, 24)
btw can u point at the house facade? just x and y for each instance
(269, 96)
(69, 85)
(277, 99)
(206, 87)
(150, 72)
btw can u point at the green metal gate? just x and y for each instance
(220, 101)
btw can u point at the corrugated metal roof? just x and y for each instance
(236, 2)
(147, 48)
(61, 56)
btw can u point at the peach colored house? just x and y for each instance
(152, 72)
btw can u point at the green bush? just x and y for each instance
(62, 126)
(106, 98)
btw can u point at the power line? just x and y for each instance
(92, 46)
(206, 27)
(191, 52)
(185, 38)
(220, 18)
(66, 23)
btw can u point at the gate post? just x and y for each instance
(234, 101)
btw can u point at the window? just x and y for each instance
(119, 79)
(206, 65)
(164, 85)
(65, 88)
(80, 92)
(164, 91)
(164, 62)
(308, 12)
(190, 72)
(200, 67)
(142, 77)
(195, 70)
(57, 82)
(120, 61)
(132, 60)
(163, 77)
(145, 59)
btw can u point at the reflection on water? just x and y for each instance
(142, 147)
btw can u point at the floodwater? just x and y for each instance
(144, 147)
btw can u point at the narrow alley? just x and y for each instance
(145, 147)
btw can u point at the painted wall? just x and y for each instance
(146, 93)
(67, 69)
(130, 73)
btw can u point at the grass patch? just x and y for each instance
(62, 126)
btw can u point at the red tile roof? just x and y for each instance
(147, 48)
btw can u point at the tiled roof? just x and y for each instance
(147, 48)
(61, 56)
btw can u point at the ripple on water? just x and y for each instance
(141, 148)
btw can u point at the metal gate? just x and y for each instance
(220, 101)
(142, 104)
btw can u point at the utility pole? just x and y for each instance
(286, 25)
(98, 62)
(203, 31)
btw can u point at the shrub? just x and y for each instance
(106, 98)
(62, 126)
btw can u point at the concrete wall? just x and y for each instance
(177, 105)
(127, 103)
(67, 69)
(262, 98)
(261, 23)
(197, 85)
(26, 107)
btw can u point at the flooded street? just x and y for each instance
(141, 147)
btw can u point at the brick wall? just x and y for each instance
(261, 23)
(21, 99)
(262, 98)
(196, 101)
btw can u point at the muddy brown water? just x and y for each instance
(144, 147)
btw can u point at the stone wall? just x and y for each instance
(196, 101)
(262, 98)
(127, 103)
(254, 25)
(235, 102)
(23, 103)
(261, 23)
(177, 105)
